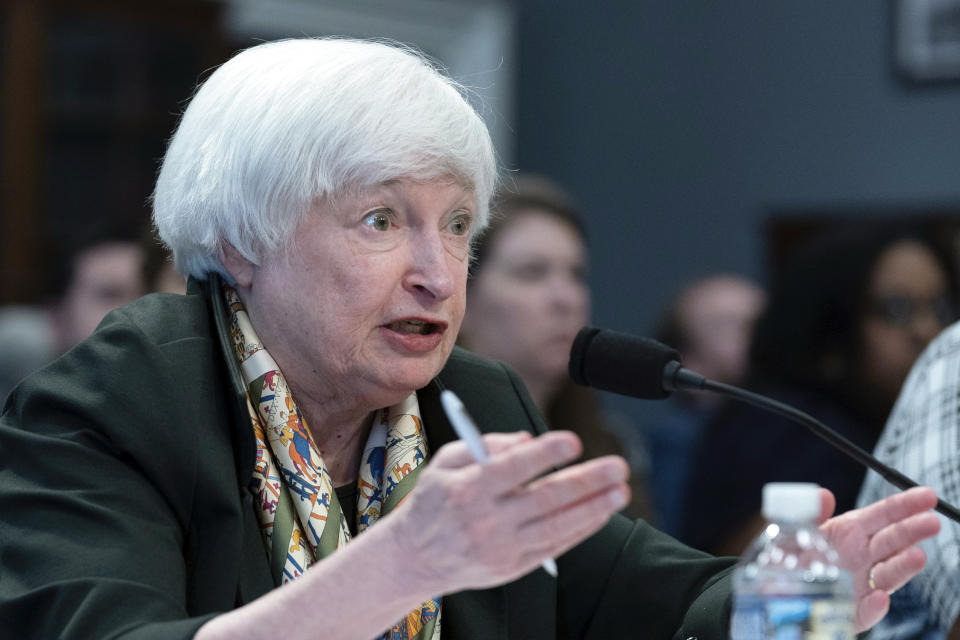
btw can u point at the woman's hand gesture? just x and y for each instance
(877, 544)
(473, 525)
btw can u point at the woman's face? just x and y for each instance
(105, 276)
(368, 302)
(530, 298)
(908, 305)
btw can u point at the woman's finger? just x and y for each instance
(899, 506)
(520, 464)
(828, 503)
(870, 610)
(898, 536)
(563, 488)
(562, 529)
(454, 455)
(891, 574)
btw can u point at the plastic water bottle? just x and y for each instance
(789, 584)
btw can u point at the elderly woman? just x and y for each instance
(165, 477)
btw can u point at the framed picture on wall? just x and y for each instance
(927, 39)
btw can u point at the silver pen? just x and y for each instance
(467, 431)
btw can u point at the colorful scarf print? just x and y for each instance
(300, 516)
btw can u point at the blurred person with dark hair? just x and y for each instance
(96, 274)
(91, 276)
(527, 297)
(847, 318)
(709, 322)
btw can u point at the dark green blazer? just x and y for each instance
(126, 507)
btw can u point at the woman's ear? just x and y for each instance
(239, 267)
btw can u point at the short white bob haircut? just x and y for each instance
(285, 124)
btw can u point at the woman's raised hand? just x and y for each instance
(877, 543)
(472, 525)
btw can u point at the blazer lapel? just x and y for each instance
(254, 578)
(242, 434)
(468, 614)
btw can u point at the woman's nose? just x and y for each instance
(432, 268)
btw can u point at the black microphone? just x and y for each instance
(621, 363)
(644, 368)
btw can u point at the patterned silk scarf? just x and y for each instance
(300, 516)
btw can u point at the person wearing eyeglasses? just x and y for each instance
(909, 302)
(848, 315)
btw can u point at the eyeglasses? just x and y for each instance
(902, 311)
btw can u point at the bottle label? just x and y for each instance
(767, 617)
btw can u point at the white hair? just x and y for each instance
(284, 124)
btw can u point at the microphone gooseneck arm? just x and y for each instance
(644, 368)
(676, 377)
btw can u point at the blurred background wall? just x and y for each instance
(682, 129)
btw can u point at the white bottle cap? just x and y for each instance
(792, 501)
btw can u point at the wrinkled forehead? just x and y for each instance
(417, 170)
(371, 190)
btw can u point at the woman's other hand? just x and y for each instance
(878, 545)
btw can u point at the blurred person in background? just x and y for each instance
(847, 318)
(103, 273)
(709, 322)
(922, 440)
(527, 297)
(90, 277)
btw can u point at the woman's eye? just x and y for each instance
(460, 225)
(378, 220)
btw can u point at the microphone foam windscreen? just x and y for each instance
(620, 363)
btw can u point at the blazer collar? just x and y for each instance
(242, 434)
(486, 614)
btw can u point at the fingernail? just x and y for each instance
(568, 449)
(617, 498)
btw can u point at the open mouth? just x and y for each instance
(418, 327)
